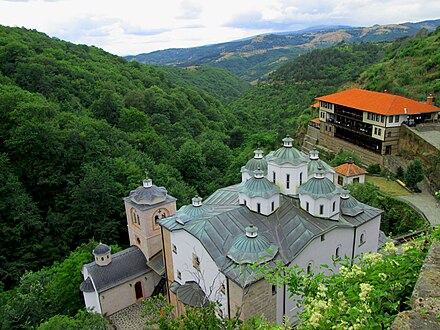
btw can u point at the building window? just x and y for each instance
(274, 177)
(300, 178)
(274, 290)
(382, 119)
(334, 206)
(161, 213)
(322, 237)
(138, 290)
(321, 209)
(391, 119)
(307, 206)
(273, 206)
(309, 268)
(389, 134)
(179, 275)
(375, 131)
(258, 207)
(356, 180)
(287, 181)
(340, 180)
(223, 289)
(174, 249)
(196, 262)
(337, 252)
(379, 131)
(138, 240)
(396, 118)
(362, 239)
(245, 202)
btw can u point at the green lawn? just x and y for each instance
(387, 186)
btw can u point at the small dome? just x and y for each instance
(87, 286)
(252, 248)
(315, 164)
(101, 249)
(191, 294)
(319, 186)
(258, 162)
(148, 193)
(287, 154)
(259, 186)
(349, 205)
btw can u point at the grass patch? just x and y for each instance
(387, 186)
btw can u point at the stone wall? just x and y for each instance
(259, 300)
(425, 300)
(334, 144)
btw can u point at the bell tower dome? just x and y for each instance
(144, 207)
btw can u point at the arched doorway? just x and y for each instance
(139, 291)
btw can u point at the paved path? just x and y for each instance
(426, 203)
(129, 318)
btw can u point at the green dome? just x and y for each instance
(319, 186)
(351, 207)
(315, 164)
(251, 247)
(287, 154)
(254, 164)
(259, 187)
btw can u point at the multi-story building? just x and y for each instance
(369, 120)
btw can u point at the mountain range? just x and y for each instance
(253, 58)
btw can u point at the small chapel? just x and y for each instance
(286, 209)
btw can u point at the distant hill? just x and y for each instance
(253, 58)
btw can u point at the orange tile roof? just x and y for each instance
(348, 169)
(315, 105)
(380, 103)
(316, 121)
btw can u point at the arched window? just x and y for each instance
(160, 214)
(309, 268)
(337, 252)
(362, 239)
(138, 290)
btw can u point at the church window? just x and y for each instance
(340, 180)
(196, 261)
(138, 290)
(161, 213)
(274, 290)
(309, 268)
(179, 275)
(334, 206)
(337, 252)
(307, 206)
(245, 202)
(274, 177)
(138, 240)
(102, 258)
(287, 181)
(362, 239)
(222, 288)
(321, 209)
(138, 220)
(174, 249)
(300, 178)
(258, 207)
(273, 206)
(322, 237)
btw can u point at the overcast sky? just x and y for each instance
(139, 26)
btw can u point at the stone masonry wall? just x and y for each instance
(425, 300)
(258, 300)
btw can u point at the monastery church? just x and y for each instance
(288, 208)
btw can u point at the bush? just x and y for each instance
(400, 173)
(414, 174)
(374, 169)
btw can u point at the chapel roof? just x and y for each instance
(318, 187)
(379, 103)
(259, 187)
(290, 229)
(126, 265)
(349, 169)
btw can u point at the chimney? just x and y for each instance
(430, 99)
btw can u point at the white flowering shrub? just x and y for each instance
(365, 295)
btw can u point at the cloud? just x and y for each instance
(129, 28)
(190, 10)
(255, 21)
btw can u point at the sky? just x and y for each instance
(132, 27)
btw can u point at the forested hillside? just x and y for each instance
(79, 128)
(282, 104)
(410, 68)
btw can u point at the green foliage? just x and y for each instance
(410, 68)
(45, 293)
(81, 321)
(414, 173)
(159, 315)
(400, 173)
(364, 295)
(374, 169)
(398, 217)
(342, 157)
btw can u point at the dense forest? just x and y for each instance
(80, 128)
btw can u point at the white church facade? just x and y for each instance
(286, 209)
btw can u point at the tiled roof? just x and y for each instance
(316, 121)
(348, 169)
(125, 265)
(380, 103)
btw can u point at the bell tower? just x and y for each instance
(144, 207)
